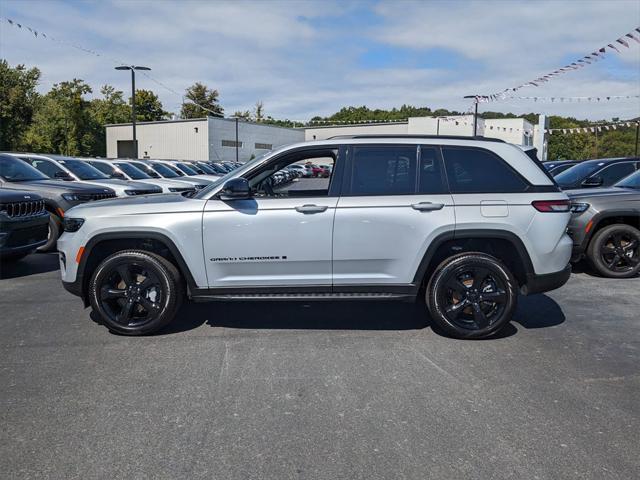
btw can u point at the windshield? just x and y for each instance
(631, 181)
(204, 193)
(187, 169)
(146, 169)
(134, 172)
(164, 170)
(577, 173)
(207, 169)
(14, 170)
(82, 170)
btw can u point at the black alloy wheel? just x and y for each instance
(614, 251)
(472, 295)
(135, 292)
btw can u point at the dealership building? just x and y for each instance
(229, 139)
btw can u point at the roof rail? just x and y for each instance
(408, 135)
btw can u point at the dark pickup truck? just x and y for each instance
(24, 223)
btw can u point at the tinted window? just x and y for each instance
(187, 169)
(577, 173)
(103, 167)
(615, 172)
(45, 166)
(83, 171)
(473, 170)
(165, 171)
(431, 177)
(134, 172)
(14, 170)
(383, 170)
(632, 181)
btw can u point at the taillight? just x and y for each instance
(551, 205)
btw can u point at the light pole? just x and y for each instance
(475, 114)
(133, 69)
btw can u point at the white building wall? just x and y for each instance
(183, 140)
(322, 133)
(510, 130)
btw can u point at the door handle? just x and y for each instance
(427, 206)
(309, 208)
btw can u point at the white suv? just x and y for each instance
(465, 223)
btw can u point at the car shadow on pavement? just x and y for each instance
(537, 311)
(30, 265)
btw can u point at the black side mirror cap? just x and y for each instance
(235, 189)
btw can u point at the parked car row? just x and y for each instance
(37, 189)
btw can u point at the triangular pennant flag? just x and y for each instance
(630, 35)
(611, 45)
(623, 42)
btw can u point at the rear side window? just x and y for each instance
(383, 170)
(431, 178)
(474, 170)
(45, 166)
(615, 172)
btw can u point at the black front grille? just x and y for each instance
(142, 192)
(98, 196)
(23, 209)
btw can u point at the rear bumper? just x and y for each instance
(544, 283)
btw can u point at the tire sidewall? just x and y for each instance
(169, 286)
(471, 259)
(55, 225)
(593, 252)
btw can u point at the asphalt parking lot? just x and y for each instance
(324, 390)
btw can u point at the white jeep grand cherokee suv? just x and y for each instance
(465, 223)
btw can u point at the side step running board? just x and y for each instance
(300, 296)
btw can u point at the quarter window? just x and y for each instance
(431, 175)
(474, 170)
(383, 170)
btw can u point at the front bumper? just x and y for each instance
(21, 235)
(544, 283)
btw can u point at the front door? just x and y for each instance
(282, 237)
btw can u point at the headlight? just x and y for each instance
(71, 197)
(579, 207)
(200, 187)
(72, 224)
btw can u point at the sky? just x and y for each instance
(307, 58)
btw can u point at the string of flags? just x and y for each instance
(606, 98)
(39, 34)
(598, 54)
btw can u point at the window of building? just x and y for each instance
(231, 143)
(383, 170)
(264, 146)
(474, 170)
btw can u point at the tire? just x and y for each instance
(614, 251)
(126, 304)
(481, 285)
(55, 227)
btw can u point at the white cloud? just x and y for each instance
(302, 58)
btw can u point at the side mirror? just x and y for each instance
(118, 175)
(62, 175)
(594, 181)
(236, 189)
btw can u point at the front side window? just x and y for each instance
(186, 169)
(83, 171)
(133, 172)
(166, 171)
(103, 167)
(275, 180)
(383, 170)
(47, 167)
(615, 172)
(475, 170)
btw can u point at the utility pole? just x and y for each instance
(237, 140)
(637, 132)
(475, 113)
(133, 69)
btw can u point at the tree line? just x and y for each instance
(64, 121)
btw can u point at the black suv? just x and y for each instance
(602, 172)
(59, 196)
(24, 223)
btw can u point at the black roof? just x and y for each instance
(407, 135)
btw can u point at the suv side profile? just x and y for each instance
(465, 223)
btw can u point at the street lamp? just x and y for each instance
(475, 114)
(133, 69)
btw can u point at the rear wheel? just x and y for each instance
(614, 251)
(55, 225)
(471, 295)
(136, 292)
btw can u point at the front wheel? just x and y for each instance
(614, 251)
(135, 292)
(55, 227)
(471, 295)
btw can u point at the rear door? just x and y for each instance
(394, 202)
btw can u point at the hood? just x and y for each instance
(601, 192)
(10, 196)
(140, 204)
(116, 182)
(60, 185)
(169, 182)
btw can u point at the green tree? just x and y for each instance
(148, 107)
(18, 99)
(204, 97)
(62, 122)
(111, 108)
